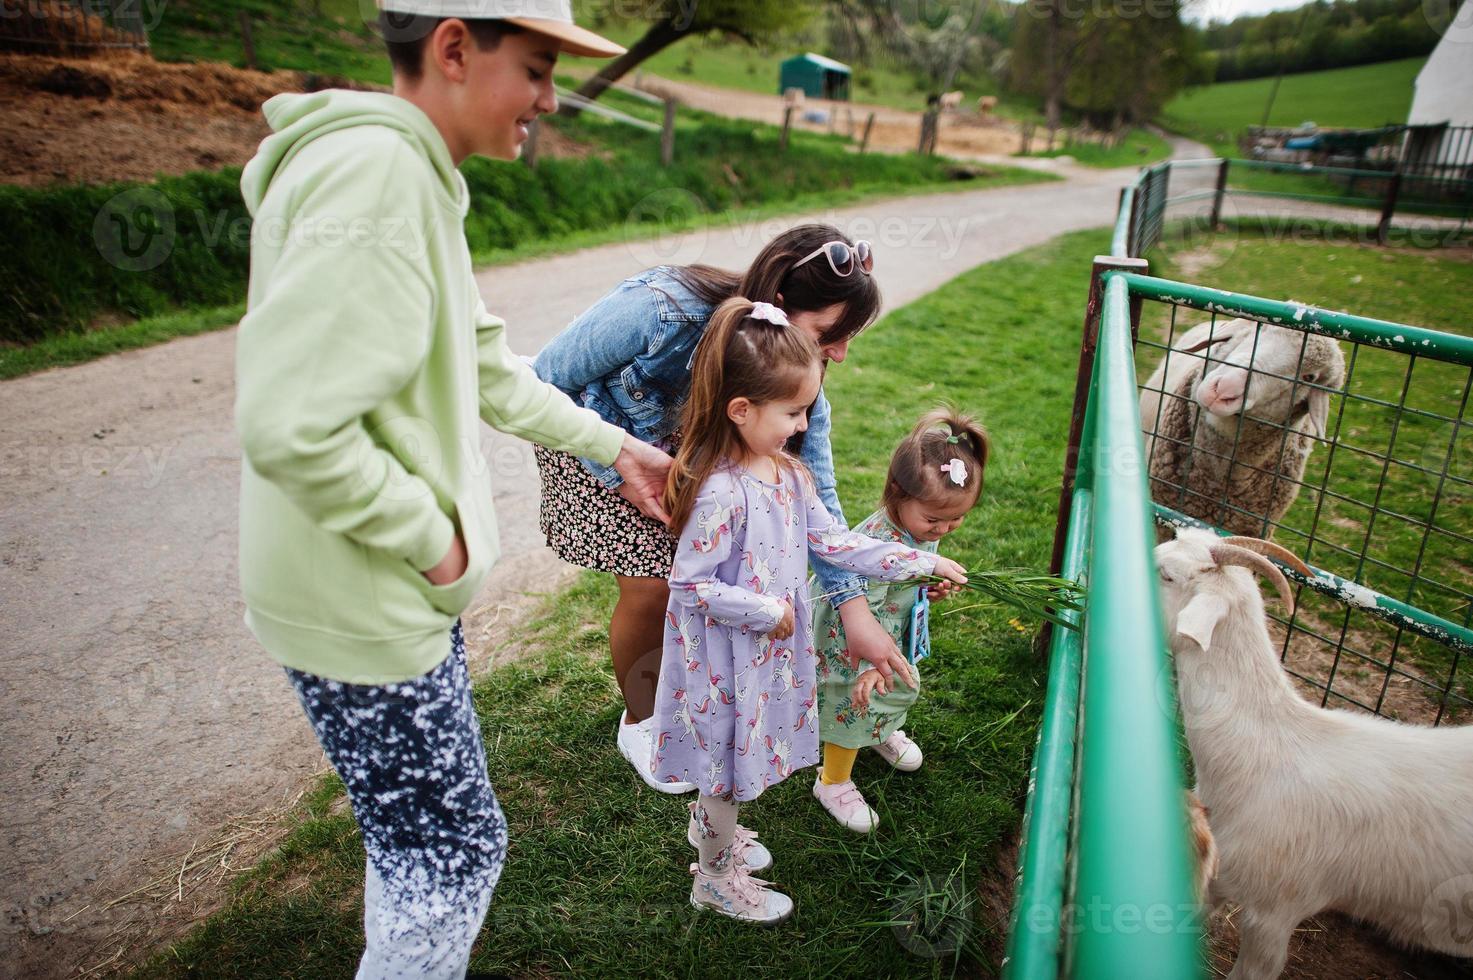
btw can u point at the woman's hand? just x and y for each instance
(863, 688)
(871, 642)
(784, 627)
(644, 469)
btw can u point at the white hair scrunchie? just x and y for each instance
(769, 313)
(957, 470)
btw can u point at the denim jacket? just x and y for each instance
(628, 358)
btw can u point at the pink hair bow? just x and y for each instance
(957, 470)
(769, 313)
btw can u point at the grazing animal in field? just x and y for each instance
(950, 101)
(1312, 809)
(1226, 444)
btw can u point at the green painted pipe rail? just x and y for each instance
(1035, 936)
(1399, 337)
(1133, 910)
(1373, 603)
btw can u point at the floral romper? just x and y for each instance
(892, 605)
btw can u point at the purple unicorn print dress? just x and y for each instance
(736, 711)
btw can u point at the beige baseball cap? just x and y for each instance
(551, 17)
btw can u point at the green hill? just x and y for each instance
(1368, 96)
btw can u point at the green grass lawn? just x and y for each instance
(286, 35)
(1422, 287)
(596, 883)
(1365, 96)
(1140, 148)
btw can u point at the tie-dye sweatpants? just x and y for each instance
(412, 758)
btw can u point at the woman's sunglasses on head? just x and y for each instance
(843, 257)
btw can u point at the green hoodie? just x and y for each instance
(362, 365)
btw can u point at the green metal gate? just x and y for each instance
(1105, 871)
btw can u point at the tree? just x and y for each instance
(752, 21)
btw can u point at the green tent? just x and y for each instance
(817, 76)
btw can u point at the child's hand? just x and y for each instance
(948, 569)
(942, 590)
(451, 567)
(864, 687)
(784, 627)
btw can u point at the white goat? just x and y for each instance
(1311, 809)
(1227, 456)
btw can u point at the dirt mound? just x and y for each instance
(123, 116)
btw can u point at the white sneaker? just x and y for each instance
(900, 752)
(745, 848)
(736, 894)
(637, 745)
(845, 804)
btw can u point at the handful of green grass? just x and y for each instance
(1040, 596)
(1044, 597)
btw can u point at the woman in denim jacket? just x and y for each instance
(628, 358)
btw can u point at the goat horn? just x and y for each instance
(1272, 550)
(1231, 554)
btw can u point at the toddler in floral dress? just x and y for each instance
(935, 478)
(736, 710)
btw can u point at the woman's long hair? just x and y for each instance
(806, 289)
(738, 357)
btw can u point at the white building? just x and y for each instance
(1442, 106)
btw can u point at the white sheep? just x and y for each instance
(1312, 809)
(1237, 463)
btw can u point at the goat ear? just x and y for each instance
(1318, 416)
(1199, 618)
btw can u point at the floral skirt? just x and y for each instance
(589, 525)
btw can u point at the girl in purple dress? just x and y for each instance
(736, 709)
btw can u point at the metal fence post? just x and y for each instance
(1222, 174)
(787, 125)
(1134, 227)
(1102, 264)
(869, 124)
(1393, 188)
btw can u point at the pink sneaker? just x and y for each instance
(900, 752)
(846, 804)
(736, 894)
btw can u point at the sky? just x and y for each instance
(1200, 11)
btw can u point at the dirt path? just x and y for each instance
(142, 719)
(961, 134)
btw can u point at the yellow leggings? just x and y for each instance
(838, 764)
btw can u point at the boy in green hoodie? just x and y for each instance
(365, 363)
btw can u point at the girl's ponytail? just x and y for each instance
(737, 356)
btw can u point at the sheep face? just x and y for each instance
(1286, 365)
